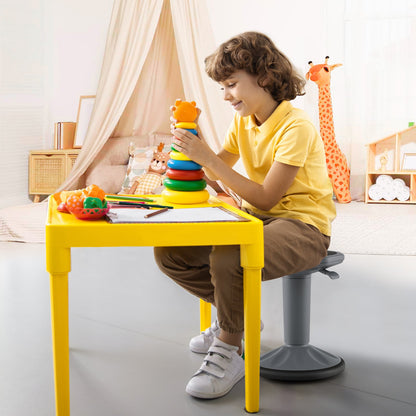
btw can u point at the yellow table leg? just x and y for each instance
(58, 264)
(204, 315)
(252, 307)
(60, 341)
(252, 259)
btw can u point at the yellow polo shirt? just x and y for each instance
(287, 136)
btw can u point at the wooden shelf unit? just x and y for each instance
(393, 147)
(48, 169)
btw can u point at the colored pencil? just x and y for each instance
(138, 205)
(129, 198)
(152, 214)
(143, 206)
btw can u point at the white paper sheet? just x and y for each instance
(206, 214)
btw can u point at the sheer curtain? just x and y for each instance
(132, 28)
(380, 44)
(155, 51)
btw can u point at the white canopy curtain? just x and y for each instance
(154, 53)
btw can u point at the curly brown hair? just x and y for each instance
(256, 54)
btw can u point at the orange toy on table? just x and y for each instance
(86, 204)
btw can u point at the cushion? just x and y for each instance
(109, 167)
(147, 166)
(139, 161)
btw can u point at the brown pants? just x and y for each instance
(214, 274)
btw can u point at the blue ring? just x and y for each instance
(183, 165)
(193, 131)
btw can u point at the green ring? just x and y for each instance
(176, 185)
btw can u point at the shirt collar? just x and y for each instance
(278, 114)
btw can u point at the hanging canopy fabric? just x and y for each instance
(154, 53)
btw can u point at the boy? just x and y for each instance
(288, 189)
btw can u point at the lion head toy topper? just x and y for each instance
(184, 111)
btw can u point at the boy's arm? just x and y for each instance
(263, 196)
(230, 159)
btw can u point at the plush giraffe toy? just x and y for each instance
(338, 170)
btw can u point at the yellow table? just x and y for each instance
(64, 231)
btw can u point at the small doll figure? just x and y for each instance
(153, 178)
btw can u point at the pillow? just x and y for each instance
(165, 138)
(108, 169)
(145, 169)
(139, 161)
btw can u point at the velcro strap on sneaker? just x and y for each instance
(221, 351)
(213, 370)
(219, 361)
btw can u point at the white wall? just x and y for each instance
(301, 30)
(50, 54)
(75, 33)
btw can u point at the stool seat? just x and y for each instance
(297, 360)
(332, 259)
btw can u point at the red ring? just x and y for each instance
(185, 175)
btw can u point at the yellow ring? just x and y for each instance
(185, 125)
(178, 156)
(182, 197)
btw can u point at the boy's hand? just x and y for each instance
(195, 147)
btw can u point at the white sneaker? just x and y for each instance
(221, 370)
(201, 343)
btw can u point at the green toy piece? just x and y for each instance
(187, 186)
(91, 202)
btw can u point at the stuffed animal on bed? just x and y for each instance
(153, 178)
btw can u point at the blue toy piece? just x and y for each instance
(193, 131)
(183, 165)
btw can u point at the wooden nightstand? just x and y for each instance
(48, 169)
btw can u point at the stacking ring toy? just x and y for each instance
(185, 175)
(193, 131)
(172, 148)
(183, 164)
(185, 125)
(186, 186)
(180, 197)
(178, 156)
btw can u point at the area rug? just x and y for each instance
(23, 223)
(361, 228)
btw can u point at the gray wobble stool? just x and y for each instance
(297, 360)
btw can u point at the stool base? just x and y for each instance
(300, 363)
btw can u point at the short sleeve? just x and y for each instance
(292, 148)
